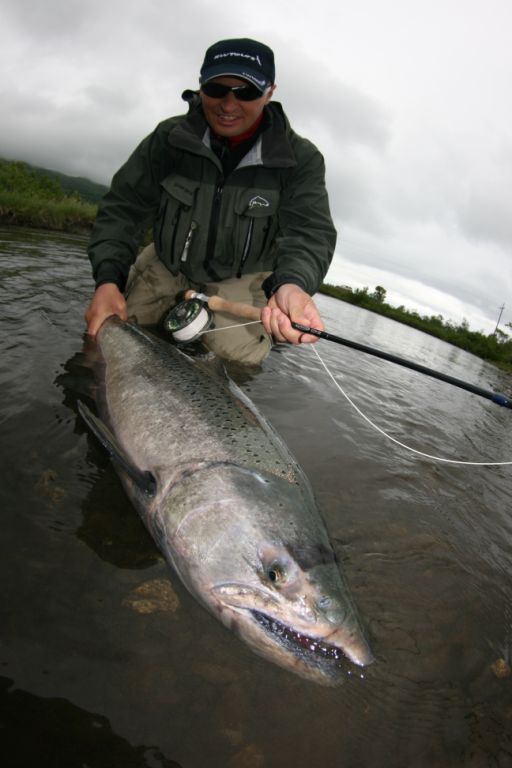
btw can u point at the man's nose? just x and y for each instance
(229, 101)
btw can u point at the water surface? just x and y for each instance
(88, 680)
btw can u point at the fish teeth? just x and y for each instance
(298, 638)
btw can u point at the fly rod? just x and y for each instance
(192, 317)
(495, 397)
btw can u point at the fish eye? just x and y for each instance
(276, 573)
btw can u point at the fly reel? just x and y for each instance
(188, 320)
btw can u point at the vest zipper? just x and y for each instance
(247, 246)
(265, 237)
(161, 230)
(174, 225)
(188, 241)
(214, 224)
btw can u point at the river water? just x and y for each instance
(88, 679)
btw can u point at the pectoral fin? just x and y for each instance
(144, 480)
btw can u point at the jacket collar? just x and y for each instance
(272, 150)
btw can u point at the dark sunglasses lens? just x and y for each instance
(241, 92)
(247, 93)
(215, 90)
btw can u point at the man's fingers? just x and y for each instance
(107, 300)
(291, 304)
(281, 327)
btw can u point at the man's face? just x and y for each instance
(228, 116)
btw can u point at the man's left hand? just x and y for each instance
(290, 303)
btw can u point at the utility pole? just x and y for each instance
(499, 318)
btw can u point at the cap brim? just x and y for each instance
(245, 74)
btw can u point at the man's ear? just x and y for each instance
(271, 91)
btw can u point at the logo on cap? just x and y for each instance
(238, 53)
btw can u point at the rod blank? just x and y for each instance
(495, 397)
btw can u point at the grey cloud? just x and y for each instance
(69, 139)
(351, 129)
(314, 93)
(46, 21)
(487, 219)
(105, 99)
(477, 282)
(455, 182)
(352, 202)
(485, 213)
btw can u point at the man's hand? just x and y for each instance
(107, 300)
(290, 303)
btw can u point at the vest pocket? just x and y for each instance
(256, 213)
(174, 226)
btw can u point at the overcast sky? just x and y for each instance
(408, 100)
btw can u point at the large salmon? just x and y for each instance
(226, 503)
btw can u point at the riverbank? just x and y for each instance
(60, 216)
(32, 199)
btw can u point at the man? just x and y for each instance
(237, 205)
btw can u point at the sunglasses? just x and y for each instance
(240, 92)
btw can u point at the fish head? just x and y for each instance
(252, 547)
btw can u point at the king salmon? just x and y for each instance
(226, 503)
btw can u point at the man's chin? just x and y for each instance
(229, 128)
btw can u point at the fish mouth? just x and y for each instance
(305, 647)
(320, 650)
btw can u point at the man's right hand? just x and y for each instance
(107, 300)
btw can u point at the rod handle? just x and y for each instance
(236, 308)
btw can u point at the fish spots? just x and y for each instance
(215, 403)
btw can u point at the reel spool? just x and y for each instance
(188, 320)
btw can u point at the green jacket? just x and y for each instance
(270, 214)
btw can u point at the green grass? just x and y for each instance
(65, 215)
(31, 199)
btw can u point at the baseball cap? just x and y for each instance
(240, 57)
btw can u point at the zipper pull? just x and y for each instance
(184, 255)
(247, 247)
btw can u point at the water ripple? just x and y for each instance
(426, 548)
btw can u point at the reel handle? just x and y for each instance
(236, 308)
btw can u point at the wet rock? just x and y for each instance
(232, 736)
(501, 668)
(45, 486)
(214, 673)
(153, 596)
(248, 757)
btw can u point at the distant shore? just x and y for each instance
(495, 347)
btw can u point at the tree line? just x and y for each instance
(495, 347)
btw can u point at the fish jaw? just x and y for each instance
(298, 635)
(238, 547)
